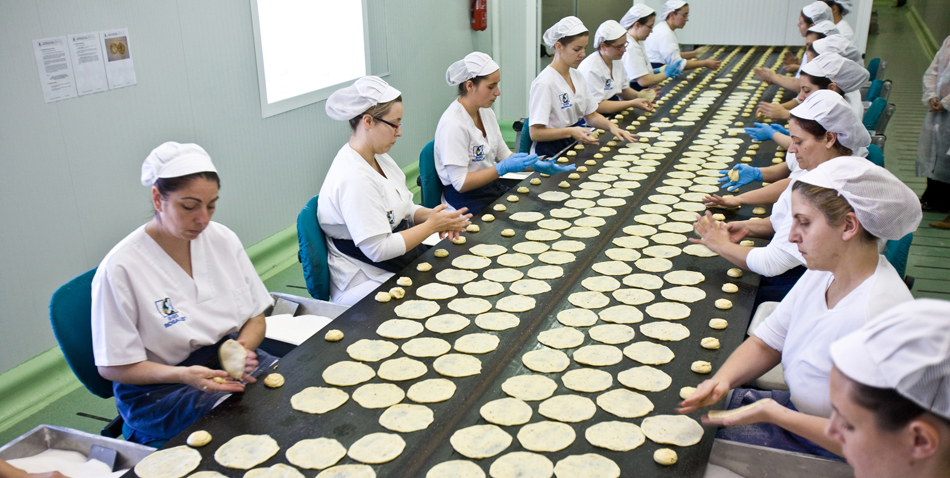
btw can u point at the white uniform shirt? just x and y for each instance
(802, 328)
(604, 82)
(635, 61)
(552, 103)
(779, 255)
(461, 148)
(845, 29)
(662, 46)
(854, 100)
(146, 307)
(359, 204)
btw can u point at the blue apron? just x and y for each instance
(636, 86)
(774, 289)
(158, 412)
(656, 65)
(477, 199)
(394, 265)
(552, 148)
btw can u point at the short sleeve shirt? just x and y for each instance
(458, 142)
(552, 102)
(635, 61)
(603, 81)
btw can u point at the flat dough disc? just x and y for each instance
(620, 254)
(612, 268)
(631, 242)
(457, 365)
(699, 250)
(246, 451)
(476, 343)
(401, 369)
(582, 232)
(662, 251)
(656, 209)
(515, 260)
(488, 250)
(654, 264)
(436, 291)
(529, 387)
(529, 216)
(668, 310)
(643, 281)
(562, 338)
(530, 286)
(542, 235)
(633, 296)
(497, 321)
(577, 317)
(665, 331)
(406, 418)
(580, 203)
(447, 323)
(639, 230)
(344, 374)
(645, 378)
(546, 436)
(554, 224)
(506, 412)
(522, 464)
(568, 408)
(480, 441)
(530, 247)
(557, 257)
(546, 360)
(455, 469)
(366, 350)
(417, 309)
(399, 329)
(504, 274)
(279, 470)
(601, 284)
(684, 277)
(377, 448)
(171, 463)
(598, 355)
(612, 334)
(649, 353)
(426, 347)
(455, 276)
(515, 303)
(568, 246)
(625, 403)
(565, 213)
(470, 305)
(315, 453)
(546, 272)
(431, 391)
(587, 465)
(621, 314)
(318, 399)
(469, 261)
(483, 288)
(553, 196)
(678, 430)
(683, 293)
(650, 219)
(587, 380)
(615, 435)
(588, 300)
(347, 471)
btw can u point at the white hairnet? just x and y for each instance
(848, 75)
(818, 11)
(566, 27)
(174, 160)
(669, 7)
(834, 114)
(837, 44)
(886, 207)
(347, 103)
(635, 13)
(474, 64)
(825, 27)
(608, 31)
(907, 349)
(845, 5)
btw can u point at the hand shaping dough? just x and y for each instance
(723, 414)
(233, 358)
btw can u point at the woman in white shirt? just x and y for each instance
(840, 8)
(662, 46)
(166, 296)
(890, 389)
(560, 101)
(639, 21)
(841, 209)
(810, 15)
(470, 154)
(605, 74)
(365, 209)
(780, 110)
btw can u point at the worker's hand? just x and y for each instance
(515, 163)
(674, 69)
(623, 134)
(762, 412)
(551, 167)
(642, 103)
(779, 129)
(760, 132)
(202, 379)
(712, 63)
(765, 75)
(712, 233)
(442, 220)
(250, 363)
(707, 393)
(936, 106)
(50, 474)
(789, 58)
(716, 200)
(582, 134)
(772, 110)
(747, 174)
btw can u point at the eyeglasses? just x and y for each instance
(619, 47)
(397, 127)
(684, 15)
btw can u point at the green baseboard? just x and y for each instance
(926, 37)
(33, 385)
(275, 253)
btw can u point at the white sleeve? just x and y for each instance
(634, 64)
(364, 211)
(501, 148)
(595, 84)
(930, 80)
(115, 336)
(669, 49)
(383, 247)
(539, 104)
(770, 261)
(457, 175)
(774, 328)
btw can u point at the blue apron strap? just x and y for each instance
(615, 98)
(394, 265)
(477, 199)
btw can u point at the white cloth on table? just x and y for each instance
(604, 81)
(635, 60)
(461, 148)
(662, 46)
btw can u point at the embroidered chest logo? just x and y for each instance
(609, 84)
(168, 312)
(391, 217)
(565, 100)
(478, 152)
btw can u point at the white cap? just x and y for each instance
(635, 13)
(567, 26)
(608, 31)
(669, 7)
(907, 349)
(174, 160)
(474, 64)
(825, 27)
(834, 114)
(837, 44)
(886, 207)
(818, 11)
(846, 5)
(848, 75)
(347, 103)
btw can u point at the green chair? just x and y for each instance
(873, 66)
(874, 92)
(873, 114)
(896, 252)
(313, 251)
(429, 178)
(524, 143)
(876, 155)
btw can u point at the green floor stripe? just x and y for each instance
(34, 384)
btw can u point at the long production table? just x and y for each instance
(268, 411)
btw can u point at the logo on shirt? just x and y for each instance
(391, 217)
(167, 310)
(609, 84)
(565, 100)
(478, 152)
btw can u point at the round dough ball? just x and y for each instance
(274, 380)
(710, 343)
(730, 288)
(198, 439)
(665, 456)
(383, 297)
(333, 336)
(397, 292)
(404, 281)
(687, 392)
(734, 272)
(424, 267)
(508, 232)
(441, 253)
(718, 324)
(723, 304)
(701, 366)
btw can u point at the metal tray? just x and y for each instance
(45, 437)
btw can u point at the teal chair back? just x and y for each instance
(874, 92)
(313, 251)
(524, 145)
(873, 114)
(875, 155)
(431, 184)
(873, 66)
(897, 251)
(70, 312)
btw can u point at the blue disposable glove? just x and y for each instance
(552, 168)
(747, 174)
(780, 129)
(516, 163)
(674, 69)
(761, 132)
(656, 70)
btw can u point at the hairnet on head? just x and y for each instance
(839, 44)
(635, 13)
(886, 207)
(567, 26)
(818, 11)
(174, 160)
(473, 65)
(669, 7)
(834, 114)
(825, 27)
(845, 5)
(848, 75)
(347, 103)
(608, 32)
(907, 349)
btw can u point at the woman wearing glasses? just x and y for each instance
(604, 71)
(373, 228)
(663, 48)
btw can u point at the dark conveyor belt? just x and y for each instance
(268, 411)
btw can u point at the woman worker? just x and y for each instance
(166, 296)
(890, 392)
(841, 209)
(840, 8)
(605, 74)
(470, 153)
(933, 156)
(559, 99)
(373, 229)
(639, 21)
(662, 46)
(810, 15)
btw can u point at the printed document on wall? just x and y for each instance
(88, 65)
(56, 71)
(118, 55)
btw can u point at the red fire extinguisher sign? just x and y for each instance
(479, 15)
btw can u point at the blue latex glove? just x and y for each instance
(656, 70)
(779, 129)
(516, 163)
(761, 132)
(747, 174)
(552, 168)
(674, 69)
